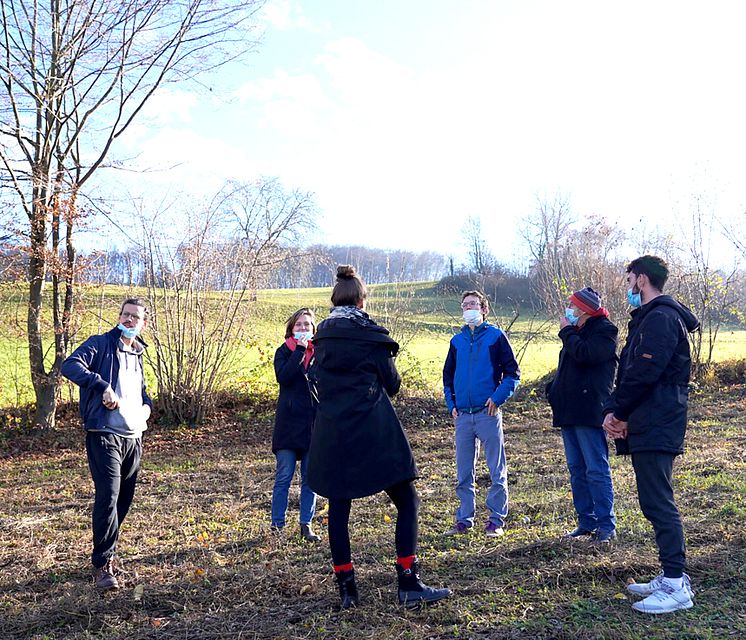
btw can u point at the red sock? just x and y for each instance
(338, 568)
(406, 562)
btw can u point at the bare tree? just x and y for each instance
(200, 289)
(736, 235)
(74, 75)
(546, 234)
(712, 292)
(480, 257)
(566, 258)
(267, 221)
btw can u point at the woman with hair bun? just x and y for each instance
(358, 446)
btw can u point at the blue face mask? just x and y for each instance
(571, 317)
(299, 335)
(127, 332)
(634, 299)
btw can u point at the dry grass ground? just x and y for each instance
(202, 564)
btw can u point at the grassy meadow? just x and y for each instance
(200, 562)
(419, 318)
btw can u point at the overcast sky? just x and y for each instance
(406, 116)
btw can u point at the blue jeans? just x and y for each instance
(587, 456)
(471, 430)
(286, 459)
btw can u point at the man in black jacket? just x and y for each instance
(647, 413)
(577, 394)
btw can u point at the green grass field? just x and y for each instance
(201, 563)
(420, 319)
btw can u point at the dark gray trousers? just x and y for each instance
(114, 462)
(654, 471)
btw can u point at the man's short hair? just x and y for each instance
(138, 302)
(653, 267)
(483, 301)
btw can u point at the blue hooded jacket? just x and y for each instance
(479, 365)
(94, 367)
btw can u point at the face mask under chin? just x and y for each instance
(634, 299)
(128, 332)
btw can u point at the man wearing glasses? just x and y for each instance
(479, 375)
(115, 409)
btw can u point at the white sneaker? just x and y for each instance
(664, 600)
(647, 588)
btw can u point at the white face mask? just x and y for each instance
(473, 316)
(299, 335)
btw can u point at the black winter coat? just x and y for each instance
(652, 385)
(585, 374)
(295, 406)
(358, 446)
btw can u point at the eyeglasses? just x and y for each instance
(471, 305)
(127, 314)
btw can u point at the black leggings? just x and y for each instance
(407, 502)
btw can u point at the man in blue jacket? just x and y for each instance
(479, 375)
(115, 409)
(647, 415)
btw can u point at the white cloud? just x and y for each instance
(287, 14)
(613, 105)
(170, 107)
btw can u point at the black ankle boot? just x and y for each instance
(412, 592)
(347, 589)
(307, 533)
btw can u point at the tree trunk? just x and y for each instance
(45, 385)
(46, 401)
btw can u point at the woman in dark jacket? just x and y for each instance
(358, 446)
(294, 420)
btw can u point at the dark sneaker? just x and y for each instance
(579, 532)
(412, 592)
(457, 529)
(491, 530)
(603, 537)
(347, 589)
(104, 577)
(307, 533)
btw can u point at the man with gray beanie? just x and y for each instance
(577, 394)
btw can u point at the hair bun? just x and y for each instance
(345, 272)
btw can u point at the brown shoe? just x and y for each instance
(104, 577)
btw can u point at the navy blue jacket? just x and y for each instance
(479, 365)
(585, 374)
(295, 405)
(652, 385)
(94, 367)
